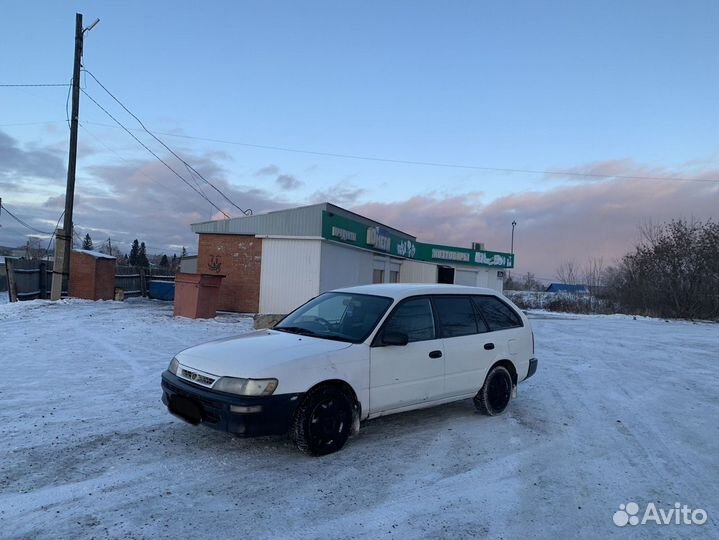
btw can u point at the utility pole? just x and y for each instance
(63, 242)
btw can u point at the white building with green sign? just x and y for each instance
(308, 250)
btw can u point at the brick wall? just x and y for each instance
(238, 258)
(91, 278)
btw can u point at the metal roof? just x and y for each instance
(301, 221)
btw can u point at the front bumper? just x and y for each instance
(532, 368)
(196, 404)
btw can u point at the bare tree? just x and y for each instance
(593, 274)
(568, 272)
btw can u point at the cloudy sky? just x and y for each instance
(445, 119)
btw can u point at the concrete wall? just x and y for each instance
(344, 267)
(239, 258)
(290, 273)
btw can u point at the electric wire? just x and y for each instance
(435, 163)
(47, 249)
(20, 221)
(2, 85)
(359, 157)
(246, 212)
(167, 165)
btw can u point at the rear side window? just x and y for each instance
(499, 316)
(414, 318)
(456, 316)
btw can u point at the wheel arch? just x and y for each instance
(510, 367)
(347, 388)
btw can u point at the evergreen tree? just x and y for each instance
(184, 252)
(87, 243)
(142, 257)
(134, 253)
(164, 263)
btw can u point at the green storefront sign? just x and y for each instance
(381, 240)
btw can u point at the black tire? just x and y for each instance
(494, 397)
(323, 421)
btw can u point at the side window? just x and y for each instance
(414, 318)
(499, 316)
(456, 316)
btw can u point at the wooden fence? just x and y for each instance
(134, 281)
(32, 279)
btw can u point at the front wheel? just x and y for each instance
(493, 398)
(323, 421)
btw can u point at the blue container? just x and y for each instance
(161, 290)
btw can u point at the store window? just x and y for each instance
(377, 276)
(394, 276)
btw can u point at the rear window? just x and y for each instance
(456, 316)
(499, 316)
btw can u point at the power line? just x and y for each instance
(189, 167)
(31, 85)
(432, 163)
(12, 124)
(117, 154)
(47, 249)
(21, 222)
(155, 155)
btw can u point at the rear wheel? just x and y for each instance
(323, 421)
(493, 398)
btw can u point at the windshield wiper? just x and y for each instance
(296, 330)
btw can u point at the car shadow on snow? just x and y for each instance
(386, 434)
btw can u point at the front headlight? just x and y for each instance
(246, 387)
(174, 366)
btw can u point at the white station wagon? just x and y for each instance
(353, 354)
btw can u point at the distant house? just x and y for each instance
(567, 288)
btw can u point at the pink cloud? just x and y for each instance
(575, 222)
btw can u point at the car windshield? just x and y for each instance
(339, 316)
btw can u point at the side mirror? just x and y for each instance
(395, 338)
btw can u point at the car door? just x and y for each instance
(510, 339)
(406, 375)
(468, 347)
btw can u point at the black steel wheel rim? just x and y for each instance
(499, 391)
(328, 421)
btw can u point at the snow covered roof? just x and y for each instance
(96, 254)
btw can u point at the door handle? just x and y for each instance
(488, 346)
(435, 354)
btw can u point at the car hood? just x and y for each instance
(254, 355)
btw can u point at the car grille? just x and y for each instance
(198, 378)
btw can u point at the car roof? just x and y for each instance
(402, 290)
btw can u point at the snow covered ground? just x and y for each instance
(620, 410)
